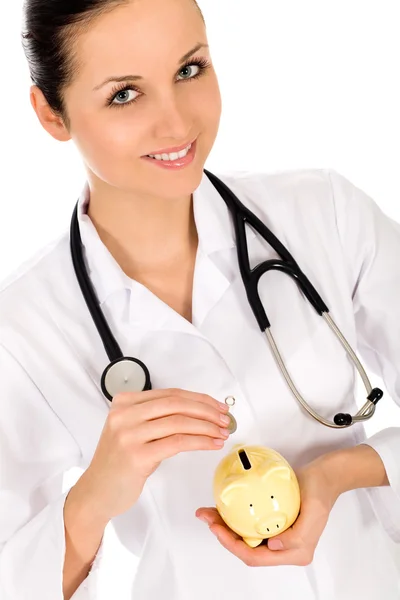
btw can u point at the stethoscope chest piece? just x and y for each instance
(125, 374)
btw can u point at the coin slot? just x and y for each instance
(244, 459)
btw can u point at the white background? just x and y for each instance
(304, 84)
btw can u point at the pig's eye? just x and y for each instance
(271, 496)
(251, 505)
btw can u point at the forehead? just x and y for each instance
(140, 35)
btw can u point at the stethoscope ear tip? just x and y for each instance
(343, 419)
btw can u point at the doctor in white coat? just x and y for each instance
(160, 249)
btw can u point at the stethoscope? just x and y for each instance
(128, 374)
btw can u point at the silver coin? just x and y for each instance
(232, 424)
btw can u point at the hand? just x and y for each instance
(296, 545)
(141, 430)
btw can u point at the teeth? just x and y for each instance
(173, 156)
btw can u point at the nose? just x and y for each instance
(273, 524)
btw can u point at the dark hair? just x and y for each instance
(50, 30)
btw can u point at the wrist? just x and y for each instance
(352, 468)
(86, 507)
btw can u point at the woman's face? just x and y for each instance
(169, 106)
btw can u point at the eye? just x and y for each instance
(200, 65)
(194, 68)
(190, 69)
(123, 95)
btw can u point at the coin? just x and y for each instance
(232, 424)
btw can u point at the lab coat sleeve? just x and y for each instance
(35, 452)
(371, 254)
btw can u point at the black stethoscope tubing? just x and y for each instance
(124, 368)
(110, 344)
(241, 214)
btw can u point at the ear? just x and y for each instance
(281, 471)
(234, 484)
(52, 123)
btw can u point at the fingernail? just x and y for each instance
(204, 519)
(275, 544)
(223, 406)
(225, 420)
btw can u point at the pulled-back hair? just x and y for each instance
(50, 30)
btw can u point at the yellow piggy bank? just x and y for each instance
(256, 492)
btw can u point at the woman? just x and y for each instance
(126, 81)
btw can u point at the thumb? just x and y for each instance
(288, 540)
(305, 531)
(209, 515)
(291, 538)
(275, 544)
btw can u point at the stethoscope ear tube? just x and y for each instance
(251, 277)
(242, 215)
(128, 374)
(124, 373)
(340, 420)
(110, 343)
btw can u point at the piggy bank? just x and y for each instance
(256, 492)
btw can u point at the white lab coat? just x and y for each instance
(52, 410)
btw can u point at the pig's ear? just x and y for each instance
(234, 484)
(281, 471)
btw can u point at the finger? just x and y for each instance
(211, 516)
(305, 531)
(129, 398)
(294, 537)
(159, 450)
(125, 399)
(260, 556)
(176, 406)
(163, 427)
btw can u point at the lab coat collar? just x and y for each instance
(215, 232)
(213, 222)
(102, 268)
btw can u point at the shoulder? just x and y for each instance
(25, 292)
(283, 182)
(301, 198)
(320, 194)
(294, 189)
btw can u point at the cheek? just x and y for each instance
(212, 100)
(208, 115)
(107, 142)
(202, 101)
(111, 135)
(214, 107)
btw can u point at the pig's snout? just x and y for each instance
(272, 525)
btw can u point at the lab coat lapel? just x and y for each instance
(209, 285)
(215, 266)
(135, 312)
(147, 311)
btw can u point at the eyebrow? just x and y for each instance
(136, 77)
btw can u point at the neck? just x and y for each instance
(146, 237)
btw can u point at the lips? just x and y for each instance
(176, 164)
(170, 150)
